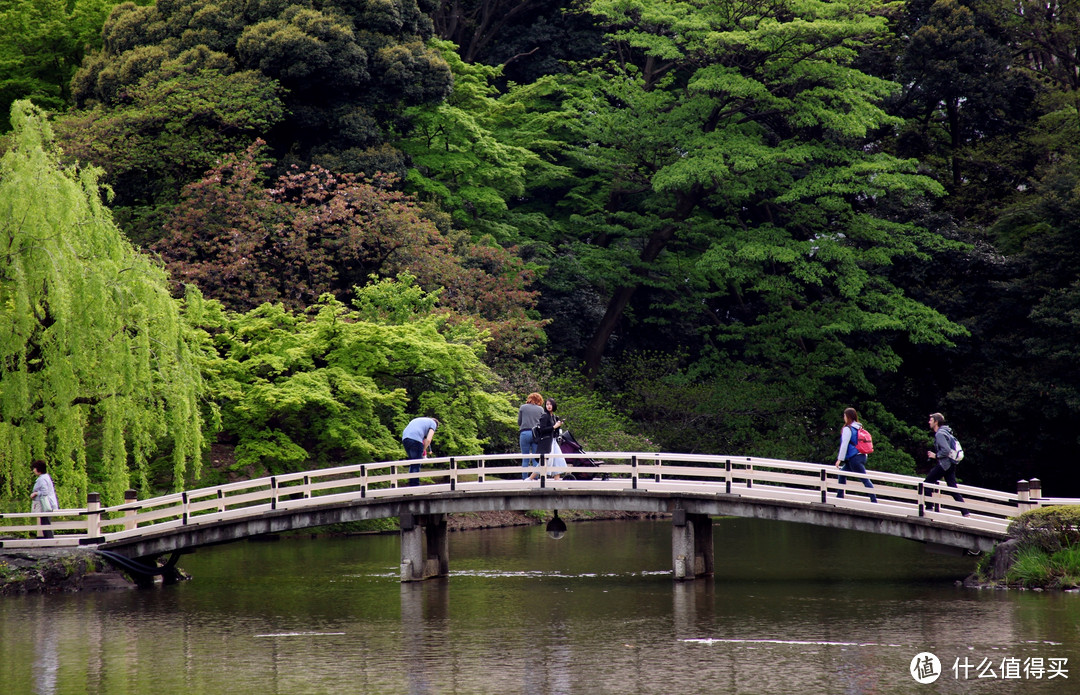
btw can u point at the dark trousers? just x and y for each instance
(855, 464)
(45, 521)
(413, 450)
(937, 473)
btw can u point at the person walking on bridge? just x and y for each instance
(529, 415)
(942, 455)
(43, 496)
(548, 429)
(849, 458)
(417, 442)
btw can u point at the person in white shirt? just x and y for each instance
(43, 496)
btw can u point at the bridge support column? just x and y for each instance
(417, 562)
(691, 545)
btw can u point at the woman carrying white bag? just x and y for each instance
(548, 431)
(43, 496)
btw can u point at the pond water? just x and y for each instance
(791, 608)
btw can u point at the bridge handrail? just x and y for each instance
(704, 473)
(1054, 501)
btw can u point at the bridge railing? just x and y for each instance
(791, 482)
(779, 479)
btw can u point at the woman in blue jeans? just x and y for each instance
(849, 459)
(529, 415)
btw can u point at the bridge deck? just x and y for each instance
(712, 484)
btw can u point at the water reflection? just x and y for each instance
(46, 657)
(791, 609)
(425, 608)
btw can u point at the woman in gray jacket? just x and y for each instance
(529, 415)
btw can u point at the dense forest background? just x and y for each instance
(240, 238)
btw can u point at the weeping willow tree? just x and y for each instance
(98, 372)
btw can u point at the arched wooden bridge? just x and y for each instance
(692, 488)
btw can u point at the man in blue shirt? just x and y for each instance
(417, 442)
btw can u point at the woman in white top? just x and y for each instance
(43, 496)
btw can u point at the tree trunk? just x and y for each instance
(594, 352)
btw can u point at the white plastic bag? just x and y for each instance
(556, 459)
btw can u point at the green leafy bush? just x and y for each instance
(338, 386)
(1049, 528)
(1049, 548)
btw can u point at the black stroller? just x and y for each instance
(569, 445)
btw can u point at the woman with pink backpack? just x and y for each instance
(855, 444)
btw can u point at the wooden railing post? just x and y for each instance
(922, 499)
(221, 500)
(130, 497)
(656, 476)
(273, 492)
(93, 514)
(307, 486)
(824, 485)
(363, 481)
(633, 472)
(543, 472)
(1023, 495)
(727, 476)
(453, 474)
(1036, 492)
(184, 507)
(749, 474)
(480, 475)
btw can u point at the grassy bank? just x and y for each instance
(1043, 552)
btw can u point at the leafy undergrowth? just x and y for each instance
(1043, 551)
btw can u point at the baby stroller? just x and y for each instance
(569, 445)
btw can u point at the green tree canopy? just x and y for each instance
(966, 104)
(338, 387)
(729, 197)
(724, 155)
(175, 125)
(97, 365)
(179, 84)
(314, 232)
(474, 152)
(347, 68)
(41, 45)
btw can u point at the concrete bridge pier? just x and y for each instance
(691, 545)
(422, 560)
